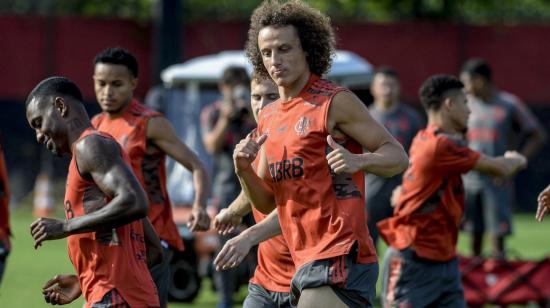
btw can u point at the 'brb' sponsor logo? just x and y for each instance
(287, 169)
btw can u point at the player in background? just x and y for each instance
(499, 122)
(147, 137)
(420, 266)
(223, 124)
(104, 202)
(270, 286)
(403, 123)
(316, 183)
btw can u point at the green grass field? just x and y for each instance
(28, 269)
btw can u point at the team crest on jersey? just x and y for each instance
(302, 126)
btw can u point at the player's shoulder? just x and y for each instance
(446, 142)
(140, 110)
(96, 144)
(96, 119)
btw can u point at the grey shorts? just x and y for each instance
(409, 281)
(488, 209)
(353, 283)
(259, 297)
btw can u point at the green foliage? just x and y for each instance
(471, 11)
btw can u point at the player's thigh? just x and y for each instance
(322, 296)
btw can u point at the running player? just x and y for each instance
(147, 137)
(420, 266)
(270, 286)
(102, 193)
(317, 184)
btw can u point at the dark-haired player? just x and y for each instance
(147, 137)
(104, 203)
(420, 266)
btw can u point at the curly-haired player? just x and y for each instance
(312, 161)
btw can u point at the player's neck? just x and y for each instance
(76, 126)
(293, 90)
(439, 120)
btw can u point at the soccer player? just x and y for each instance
(104, 201)
(147, 137)
(420, 266)
(5, 233)
(270, 286)
(316, 183)
(403, 123)
(499, 122)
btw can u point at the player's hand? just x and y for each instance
(61, 289)
(199, 220)
(45, 229)
(226, 221)
(245, 152)
(521, 160)
(341, 160)
(543, 203)
(395, 194)
(232, 253)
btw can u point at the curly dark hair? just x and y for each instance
(313, 27)
(436, 88)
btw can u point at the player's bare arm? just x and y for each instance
(161, 134)
(349, 116)
(229, 218)
(99, 159)
(152, 244)
(502, 166)
(236, 249)
(543, 201)
(61, 289)
(256, 189)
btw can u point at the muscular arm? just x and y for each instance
(502, 166)
(161, 134)
(348, 115)
(101, 159)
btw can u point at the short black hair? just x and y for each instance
(118, 55)
(436, 88)
(479, 67)
(55, 86)
(235, 75)
(386, 71)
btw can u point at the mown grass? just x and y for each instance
(28, 269)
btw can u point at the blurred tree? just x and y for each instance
(471, 11)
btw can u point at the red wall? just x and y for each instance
(518, 54)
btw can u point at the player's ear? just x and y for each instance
(447, 103)
(134, 83)
(61, 106)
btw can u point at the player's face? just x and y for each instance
(460, 111)
(473, 85)
(385, 89)
(262, 94)
(114, 86)
(282, 54)
(48, 125)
